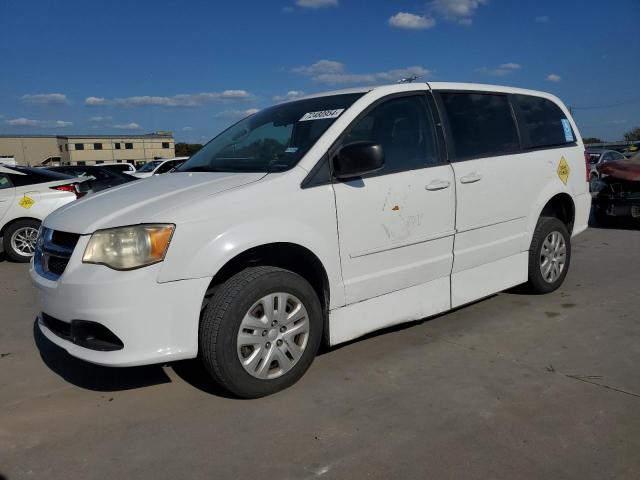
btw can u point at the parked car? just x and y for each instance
(27, 196)
(326, 217)
(619, 197)
(158, 167)
(120, 167)
(597, 157)
(97, 178)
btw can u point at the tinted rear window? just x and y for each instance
(544, 122)
(95, 172)
(123, 167)
(481, 124)
(35, 175)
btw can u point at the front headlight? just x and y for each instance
(126, 248)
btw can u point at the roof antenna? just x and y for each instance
(410, 79)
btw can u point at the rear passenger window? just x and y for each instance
(545, 124)
(32, 176)
(481, 124)
(404, 128)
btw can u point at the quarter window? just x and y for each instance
(545, 124)
(481, 124)
(404, 128)
(31, 176)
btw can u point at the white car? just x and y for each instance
(323, 218)
(158, 167)
(120, 167)
(27, 196)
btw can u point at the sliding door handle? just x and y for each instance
(438, 185)
(471, 178)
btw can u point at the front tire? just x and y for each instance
(19, 240)
(260, 331)
(549, 255)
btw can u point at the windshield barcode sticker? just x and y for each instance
(321, 115)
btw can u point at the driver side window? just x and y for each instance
(404, 128)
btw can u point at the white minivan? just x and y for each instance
(319, 219)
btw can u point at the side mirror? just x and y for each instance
(357, 159)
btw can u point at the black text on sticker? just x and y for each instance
(321, 115)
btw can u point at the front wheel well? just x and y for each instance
(289, 256)
(11, 222)
(561, 206)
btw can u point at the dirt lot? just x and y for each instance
(514, 386)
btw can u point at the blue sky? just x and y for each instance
(193, 67)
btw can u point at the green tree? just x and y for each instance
(591, 140)
(187, 149)
(632, 135)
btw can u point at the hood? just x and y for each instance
(622, 169)
(143, 201)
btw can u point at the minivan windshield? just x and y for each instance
(272, 140)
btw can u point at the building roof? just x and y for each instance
(145, 136)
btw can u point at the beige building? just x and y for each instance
(37, 150)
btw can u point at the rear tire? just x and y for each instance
(251, 346)
(549, 255)
(19, 240)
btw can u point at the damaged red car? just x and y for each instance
(619, 196)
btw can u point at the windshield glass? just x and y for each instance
(150, 167)
(272, 140)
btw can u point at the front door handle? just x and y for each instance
(438, 185)
(471, 178)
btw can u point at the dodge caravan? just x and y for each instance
(319, 219)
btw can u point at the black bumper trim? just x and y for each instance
(84, 333)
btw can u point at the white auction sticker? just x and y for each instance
(321, 115)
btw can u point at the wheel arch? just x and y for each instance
(562, 207)
(553, 202)
(14, 220)
(290, 256)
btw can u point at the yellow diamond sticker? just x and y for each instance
(563, 170)
(27, 202)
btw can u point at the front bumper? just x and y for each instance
(156, 322)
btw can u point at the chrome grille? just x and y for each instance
(53, 250)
